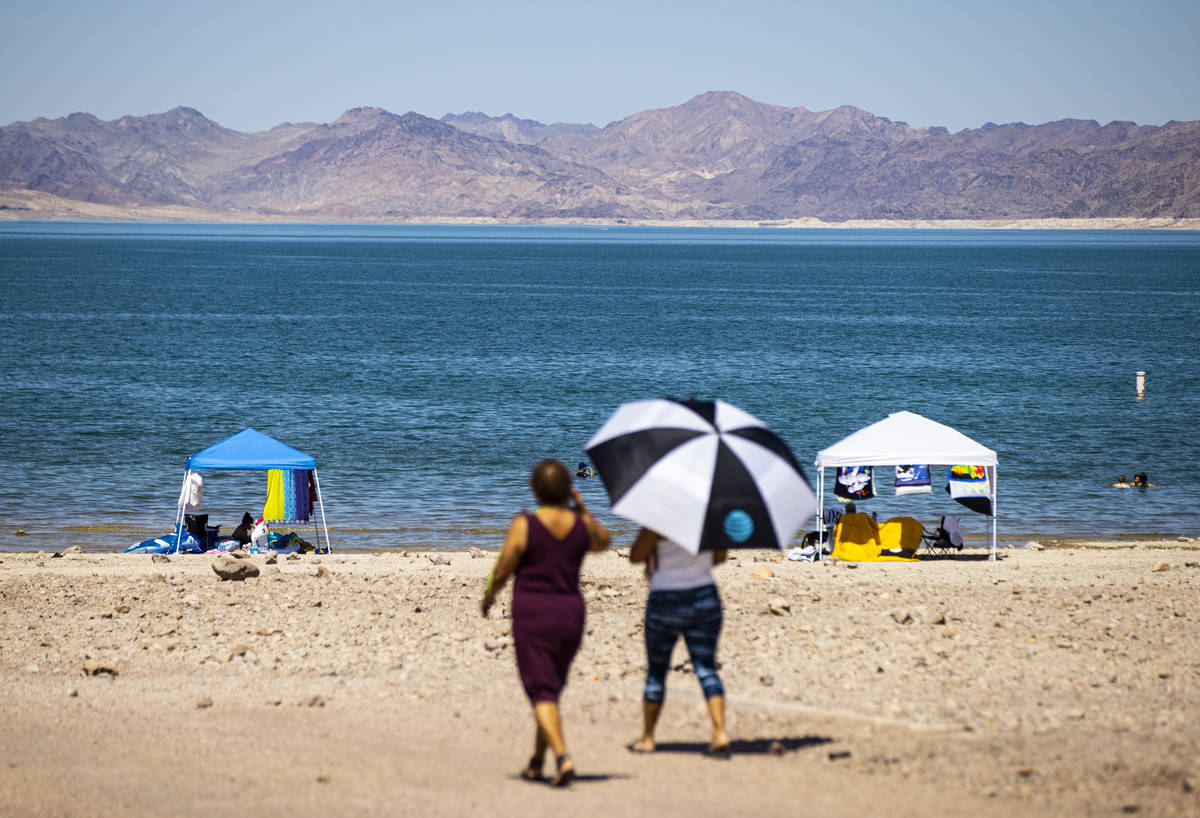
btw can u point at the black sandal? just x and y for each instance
(533, 772)
(564, 777)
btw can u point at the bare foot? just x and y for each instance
(720, 740)
(643, 745)
(718, 749)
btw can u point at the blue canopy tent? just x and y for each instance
(250, 449)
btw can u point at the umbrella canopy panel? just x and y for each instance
(703, 473)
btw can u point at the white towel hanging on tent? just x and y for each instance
(192, 493)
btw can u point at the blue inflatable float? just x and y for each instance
(166, 545)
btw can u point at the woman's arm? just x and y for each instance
(643, 546)
(510, 558)
(598, 536)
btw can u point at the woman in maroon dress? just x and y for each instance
(545, 549)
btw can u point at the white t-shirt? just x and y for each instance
(678, 570)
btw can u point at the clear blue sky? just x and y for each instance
(251, 65)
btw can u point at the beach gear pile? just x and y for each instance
(190, 544)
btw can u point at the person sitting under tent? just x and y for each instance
(856, 534)
(242, 532)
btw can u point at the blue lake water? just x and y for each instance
(427, 367)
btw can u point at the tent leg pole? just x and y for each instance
(821, 515)
(179, 511)
(321, 501)
(995, 476)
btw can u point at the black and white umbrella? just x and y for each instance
(702, 473)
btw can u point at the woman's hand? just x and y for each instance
(643, 547)
(506, 565)
(598, 536)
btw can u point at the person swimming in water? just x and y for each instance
(1120, 484)
(585, 471)
(1141, 481)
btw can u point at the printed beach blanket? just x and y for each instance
(913, 480)
(854, 483)
(969, 486)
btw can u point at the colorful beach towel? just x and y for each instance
(969, 486)
(854, 483)
(290, 495)
(913, 480)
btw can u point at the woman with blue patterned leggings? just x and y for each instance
(683, 602)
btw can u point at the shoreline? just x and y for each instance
(385, 539)
(492, 546)
(1063, 682)
(28, 205)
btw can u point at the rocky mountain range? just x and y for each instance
(716, 156)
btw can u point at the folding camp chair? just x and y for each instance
(945, 539)
(829, 521)
(197, 525)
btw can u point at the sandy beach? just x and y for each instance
(1056, 682)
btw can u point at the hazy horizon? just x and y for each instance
(518, 115)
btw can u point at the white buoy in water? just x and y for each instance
(1141, 385)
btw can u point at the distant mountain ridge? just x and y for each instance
(719, 155)
(512, 129)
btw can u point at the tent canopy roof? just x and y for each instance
(906, 437)
(250, 449)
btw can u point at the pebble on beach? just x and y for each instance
(95, 668)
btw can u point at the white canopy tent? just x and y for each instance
(902, 438)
